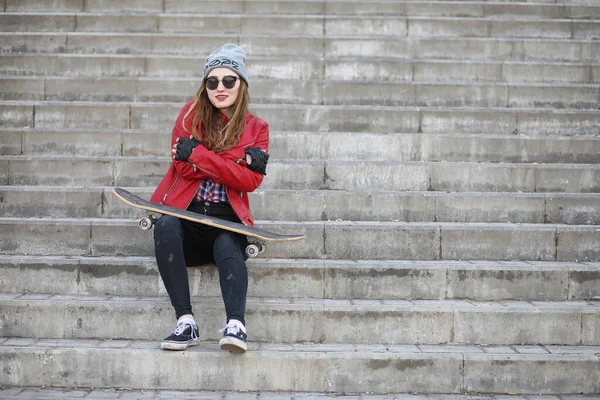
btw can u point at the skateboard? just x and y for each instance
(252, 250)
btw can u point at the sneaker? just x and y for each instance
(234, 337)
(185, 335)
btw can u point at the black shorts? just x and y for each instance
(199, 239)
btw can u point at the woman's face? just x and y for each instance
(220, 96)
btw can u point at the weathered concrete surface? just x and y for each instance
(311, 67)
(329, 240)
(51, 237)
(398, 322)
(476, 241)
(296, 370)
(19, 89)
(562, 209)
(17, 114)
(582, 282)
(316, 174)
(25, 393)
(482, 280)
(471, 48)
(10, 142)
(576, 8)
(304, 278)
(326, 205)
(4, 172)
(315, 25)
(489, 373)
(426, 94)
(579, 244)
(308, 365)
(339, 146)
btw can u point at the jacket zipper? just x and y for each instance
(196, 168)
(170, 189)
(236, 214)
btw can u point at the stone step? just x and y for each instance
(284, 117)
(340, 146)
(271, 320)
(482, 49)
(325, 205)
(564, 2)
(313, 92)
(338, 68)
(426, 147)
(568, 9)
(324, 240)
(315, 175)
(313, 279)
(35, 393)
(315, 368)
(299, 24)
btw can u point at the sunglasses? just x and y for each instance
(212, 83)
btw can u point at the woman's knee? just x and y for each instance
(228, 243)
(165, 226)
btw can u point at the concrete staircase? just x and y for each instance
(442, 158)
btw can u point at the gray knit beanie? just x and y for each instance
(228, 56)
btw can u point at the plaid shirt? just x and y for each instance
(211, 191)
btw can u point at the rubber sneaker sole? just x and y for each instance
(178, 345)
(233, 345)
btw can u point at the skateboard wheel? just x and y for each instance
(252, 250)
(261, 248)
(145, 223)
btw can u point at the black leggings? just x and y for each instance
(181, 243)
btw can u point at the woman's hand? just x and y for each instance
(256, 160)
(183, 148)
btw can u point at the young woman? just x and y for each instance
(219, 155)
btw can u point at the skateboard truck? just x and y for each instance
(252, 250)
(146, 223)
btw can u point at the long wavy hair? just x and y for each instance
(217, 135)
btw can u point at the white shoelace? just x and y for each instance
(181, 327)
(231, 327)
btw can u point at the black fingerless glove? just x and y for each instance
(184, 148)
(256, 160)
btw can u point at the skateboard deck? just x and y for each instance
(256, 233)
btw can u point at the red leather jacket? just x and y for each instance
(182, 181)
